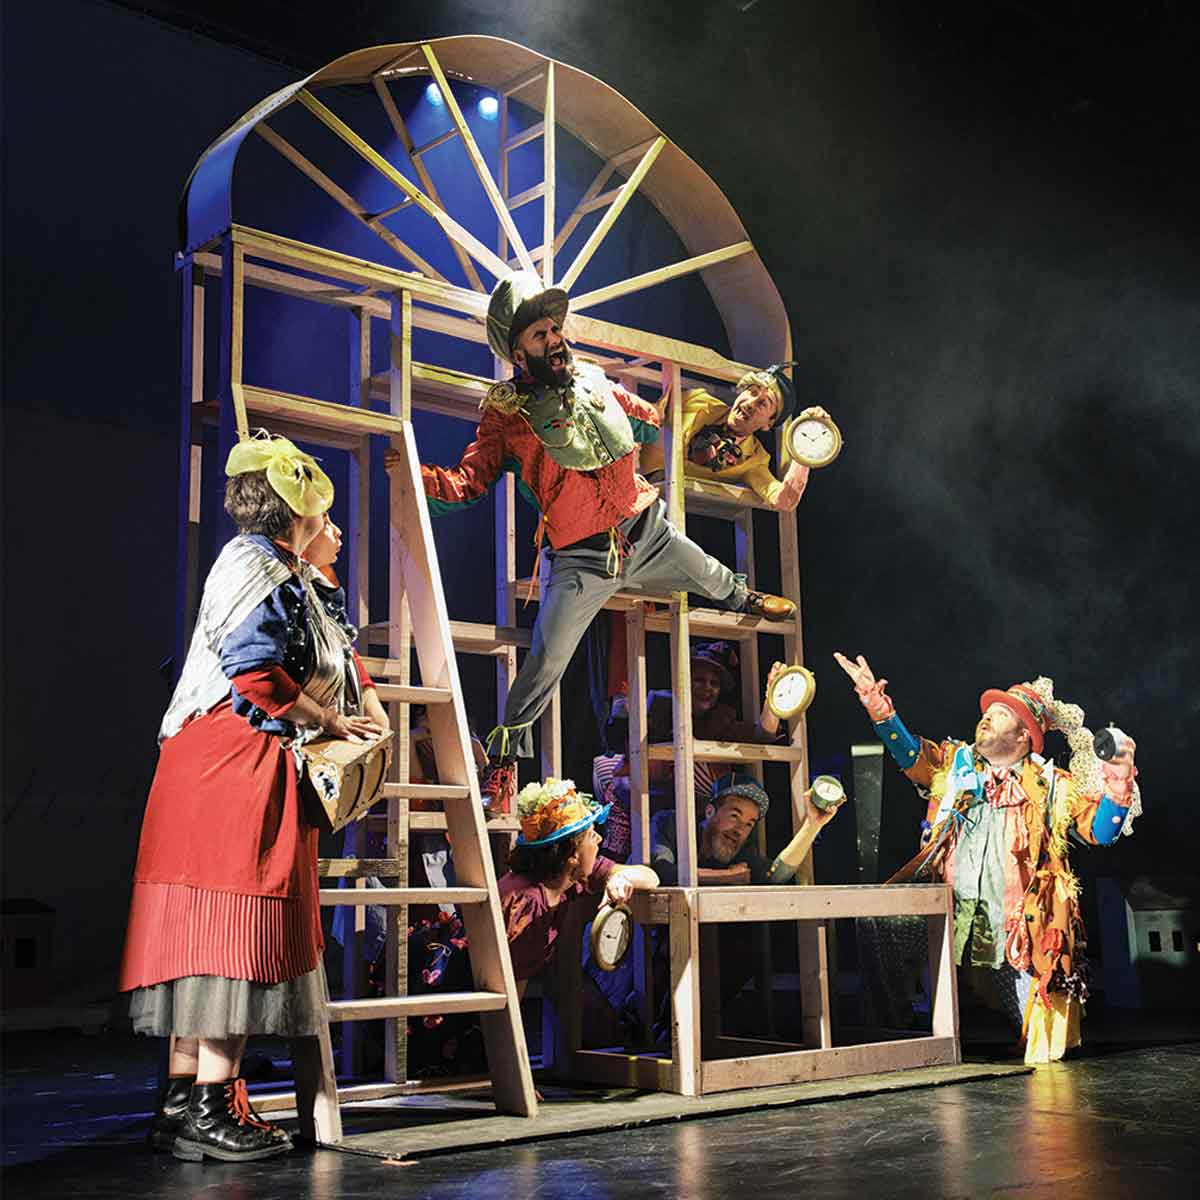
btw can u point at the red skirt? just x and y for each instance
(226, 875)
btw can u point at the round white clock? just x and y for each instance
(827, 792)
(812, 438)
(612, 933)
(792, 692)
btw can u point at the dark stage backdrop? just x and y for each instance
(988, 251)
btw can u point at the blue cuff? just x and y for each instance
(904, 747)
(1109, 821)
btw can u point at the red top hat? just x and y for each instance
(1026, 705)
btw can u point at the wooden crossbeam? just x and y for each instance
(519, 139)
(614, 211)
(433, 143)
(452, 229)
(414, 153)
(372, 221)
(518, 82)
(582, 208)
(636, 283)
(525, 197)
(477, 160)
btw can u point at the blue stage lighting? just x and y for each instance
(434, 95)
(489, 106)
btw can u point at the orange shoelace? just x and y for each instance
(239, 1105)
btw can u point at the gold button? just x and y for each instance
(893, 736)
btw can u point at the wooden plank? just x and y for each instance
(426, 791)
(806, 1066)
(359, 868)
(820, 903)
(652, 907)
(526, 197)
(390, 693)
(613, 1069)
(187, 545)
(686, 861)
(943, 979)
(450, 227)
(417, 1006)
(732, 752)
(582, 208)
(523, 80)
(477, 160)
(359, 1093)
(639, 762)
(316, 1088)
(528, 134)
(343, 198)
(319, 414)
(419, 151)
(436, 822)
(685, 993)
(637, 283)
(360, 897)
(673, 457)
(614, 211)
(549, 169)
(470, 637)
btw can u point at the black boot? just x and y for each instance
(168, 1117)
(219, 1123)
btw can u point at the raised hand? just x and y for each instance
(870, 690)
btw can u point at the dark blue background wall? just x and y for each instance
(985, 235)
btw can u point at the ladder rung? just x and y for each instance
(320, 414)
(346, 897)
(441, 140)
(413, 695)
(526, 197)
(470, 637)
(415, 1006)
(425, 791)
(359, 868)
(731, 752)
(436, 822)
(358, 1092)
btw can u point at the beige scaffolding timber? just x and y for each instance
(635, 157)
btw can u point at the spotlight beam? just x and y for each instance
(477, 161)
(352, 206)
(414, 153)
(450, 227)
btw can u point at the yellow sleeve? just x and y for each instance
(761, 478)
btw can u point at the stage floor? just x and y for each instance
(1117, 1122)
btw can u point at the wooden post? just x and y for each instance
(400, 649)
(685, 775)
(191, 393)
(358, 578)
(548, 169)
(685, 993)
(231, 419)
(943, 982)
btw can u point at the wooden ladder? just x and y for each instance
(317, 1096)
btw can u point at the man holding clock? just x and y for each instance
(719, 441)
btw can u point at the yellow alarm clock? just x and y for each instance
(812, 438)
(791, 692)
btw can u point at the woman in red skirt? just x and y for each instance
(224, 936)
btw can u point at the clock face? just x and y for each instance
(611, 935)
(827, 792)
(792, 692)
(813, 441)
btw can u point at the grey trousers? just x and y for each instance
(661, 559)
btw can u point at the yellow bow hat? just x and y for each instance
(293, 475)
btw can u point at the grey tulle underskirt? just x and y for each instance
(211, 1006)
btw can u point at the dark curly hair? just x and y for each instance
(256, 507)
(542, 863)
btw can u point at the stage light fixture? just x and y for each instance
(434, 95)
(489, 106)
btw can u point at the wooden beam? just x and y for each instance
(320, 414)
(414, 153)
(477, 160)
(820, 902)
(523, 80)
(508, 145)
(637, 283)
(807, 1066)
(731, 752)
(339, 897)
(452, 229)
(433, 143)
(373, 222)
(417, 1006)
(549, 169)
(581, 209)
(614, 211)
(526, 197)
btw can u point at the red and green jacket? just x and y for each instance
(574, 504)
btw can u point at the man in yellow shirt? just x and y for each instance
(719, 441)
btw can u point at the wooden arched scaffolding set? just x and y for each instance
(634, 157)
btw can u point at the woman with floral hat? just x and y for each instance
(556, 860)
(224, 935)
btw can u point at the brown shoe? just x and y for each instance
(774, 608)
(498, 786)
